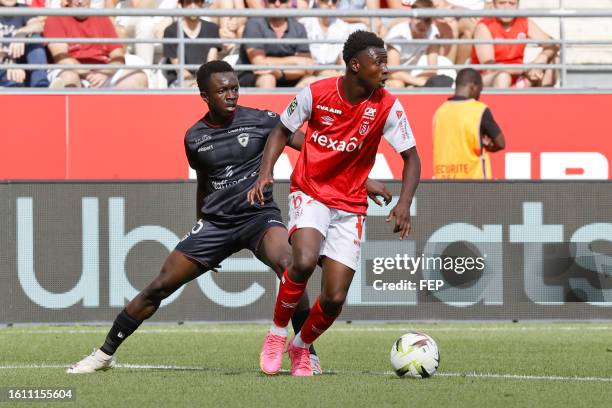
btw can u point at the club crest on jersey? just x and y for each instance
(363, 129)
(243, 139)
(292, 106)
(327, 120)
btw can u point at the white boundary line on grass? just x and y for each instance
(375, 373)
(263, 328)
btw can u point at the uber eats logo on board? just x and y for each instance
(532, 233)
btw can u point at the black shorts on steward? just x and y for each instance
(209, 243)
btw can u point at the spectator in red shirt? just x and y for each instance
(512, 28)
(83, 53)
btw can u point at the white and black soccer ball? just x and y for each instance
(416, 355)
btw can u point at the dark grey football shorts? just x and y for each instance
(209, 243)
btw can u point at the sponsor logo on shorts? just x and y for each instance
(275, 221)
(271, 114)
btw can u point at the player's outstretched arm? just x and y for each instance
(277, 140)
(411, 176)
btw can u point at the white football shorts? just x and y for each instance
(342, 230)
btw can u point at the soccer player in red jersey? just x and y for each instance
(347, 116)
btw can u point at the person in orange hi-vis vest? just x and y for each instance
(464, 132)
(512, 28)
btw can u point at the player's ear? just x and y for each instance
(354, 65)
(204, 96)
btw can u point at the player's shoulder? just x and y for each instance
(385, 99)
(196, 131)
(324, 86)
(248, 113)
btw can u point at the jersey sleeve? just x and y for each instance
(298, 111)
(397, 130)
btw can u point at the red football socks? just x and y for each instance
(316, 323)
(289, 295)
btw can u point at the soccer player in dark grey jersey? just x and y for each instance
(225, 148)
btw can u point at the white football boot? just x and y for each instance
(96, 361)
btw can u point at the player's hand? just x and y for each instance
(16, 50)
(256, 194)
(377, 189)
(401, 213)
(96, 79)
(16, 75)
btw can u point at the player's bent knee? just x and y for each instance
(332, 303)
(304, 264)
(157, 291)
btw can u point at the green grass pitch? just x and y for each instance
(216, 365)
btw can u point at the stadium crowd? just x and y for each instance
(314, 28)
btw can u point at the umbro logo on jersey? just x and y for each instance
(330, 110)
(327, 120)
(243, 139)
(120, 335)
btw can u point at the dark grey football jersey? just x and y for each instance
(228, 159)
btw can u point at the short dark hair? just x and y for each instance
(211, 67)
(359, 41)
(468, 76)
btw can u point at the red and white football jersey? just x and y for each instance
(341, 141)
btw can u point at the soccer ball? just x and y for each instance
(415, 354)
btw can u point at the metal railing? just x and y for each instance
(561, 13)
